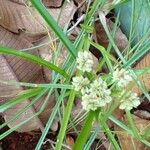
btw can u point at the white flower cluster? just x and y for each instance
(94, 95)
(85, 61)
(97, 95)
(121, 78)
(130, 101)
(80, 83)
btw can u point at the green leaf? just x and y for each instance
(105, 128)
(34, 59)
(52, 23)
(88, 29)
(132, 125)
(24, 96)
(65, 120)
(147, 133)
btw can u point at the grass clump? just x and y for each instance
(100, 94)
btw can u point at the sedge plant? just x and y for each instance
(100, 94)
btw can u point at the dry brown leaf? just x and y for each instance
(144, 62)
(47, 3)
(15, 68)
(142, 114)
(126, 141)
(52, 3)
(101, 37)
(66, 13)
(47, 52)
(15, 17)
(19, 1)
(70, 141)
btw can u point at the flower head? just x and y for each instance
(121, 77)
(98, 85)
(130, 101)
(97, 95)
(85, 61)
(79, 83)
(90, 101)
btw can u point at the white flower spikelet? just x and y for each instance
(90, 101)
(85, 61)
(97, 95)
(121, 77)
(79, 83)
(130, 101)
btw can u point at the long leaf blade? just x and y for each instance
(33, 59)
(52, 23)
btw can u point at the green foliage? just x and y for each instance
(134, 26)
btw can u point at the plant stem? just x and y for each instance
(85, 132)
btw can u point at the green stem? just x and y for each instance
(65, 120)
(85, 132)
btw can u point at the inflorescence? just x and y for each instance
(96, 94)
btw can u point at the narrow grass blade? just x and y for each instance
(65, 120)
(107, 56)
(50, 120)
(24, 96)
(106, 129)
(50, 85)
(36, 98)
(91, 139)
(137, 56)
(132, 125)
(147, 133)
(34, 59)
(121, 125)
(127, 129)
(52, 23)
